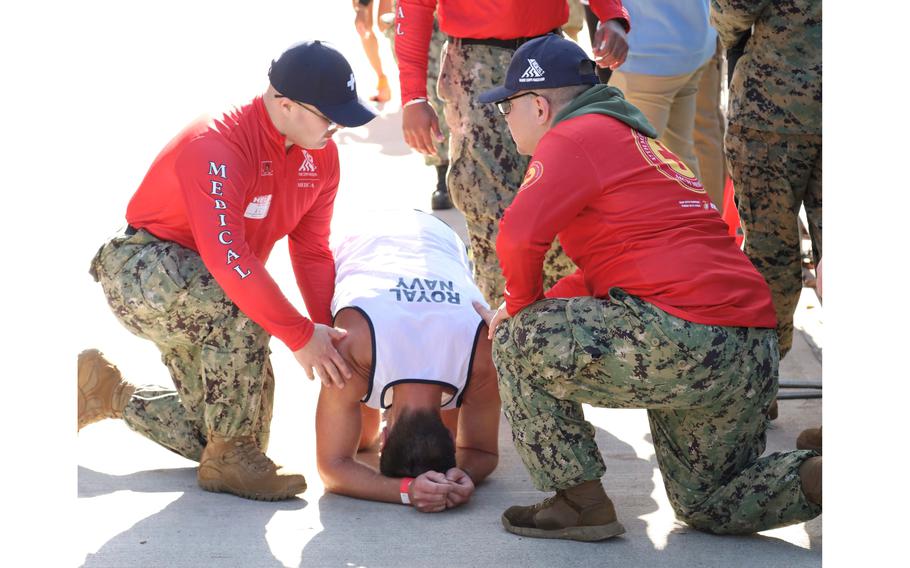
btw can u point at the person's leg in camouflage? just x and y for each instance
(485, 169)
(710, 453)
(172, 417)
(175, 418)
(813, 204)
(707, 419)
(440, 199)
(772, 176)
(218, 359)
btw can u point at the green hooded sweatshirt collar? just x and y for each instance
(604, 99)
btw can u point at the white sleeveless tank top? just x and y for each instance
(407, 272)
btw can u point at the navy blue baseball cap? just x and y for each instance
(545, 62)
(315, 73)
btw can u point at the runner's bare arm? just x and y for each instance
(339, 433)
(477, 444)
(477, 447)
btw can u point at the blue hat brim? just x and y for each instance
(495, 95)
(350, 114)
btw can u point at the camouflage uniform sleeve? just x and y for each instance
(732, 18)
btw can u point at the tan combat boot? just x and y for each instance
(772, 410)
(810, 439)
(238, 466)
(102, 391)
(583, 512)
(810, 479)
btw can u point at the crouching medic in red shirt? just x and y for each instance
(664, 313)
(188, 273)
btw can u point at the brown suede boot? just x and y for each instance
(810, 478)
(583, 512)
(102, 392)
(238, 466)
(772, 410)
(810, 439)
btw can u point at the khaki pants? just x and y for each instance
(709, 130)
(685, 111)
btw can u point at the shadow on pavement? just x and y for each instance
(211, 524)
(363, 533)
(689, 547)
(93, 483)
(196, 528)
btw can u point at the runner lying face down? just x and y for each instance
(419, 352)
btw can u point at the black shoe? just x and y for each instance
(441, 200)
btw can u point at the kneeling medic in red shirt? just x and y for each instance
(188, 273)
(664, 313)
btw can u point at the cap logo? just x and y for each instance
(351, 82)
(533, 74)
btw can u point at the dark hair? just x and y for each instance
(561, 96)
(418, 442)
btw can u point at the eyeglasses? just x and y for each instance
(505, 105)
(332, 123)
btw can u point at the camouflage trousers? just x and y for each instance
(433, 60)
(706, 389)
(485, 168)
(773, 174)
(217, 357)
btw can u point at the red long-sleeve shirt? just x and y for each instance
(630, 215)
(228, 189)
(481, 19)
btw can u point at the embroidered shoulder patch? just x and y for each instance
(534, 173)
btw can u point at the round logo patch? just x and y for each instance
(666, 162)
(535, 170)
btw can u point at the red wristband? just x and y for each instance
(403, 489)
